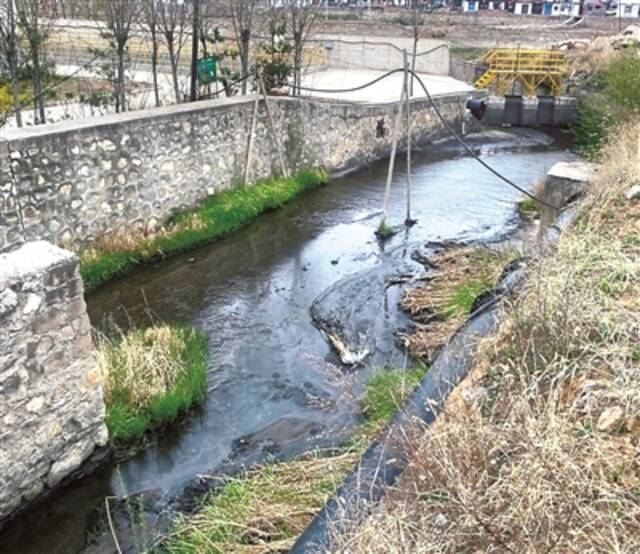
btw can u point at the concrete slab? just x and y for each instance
(385, 91)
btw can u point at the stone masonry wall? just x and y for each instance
(51, 406)
(75, 182)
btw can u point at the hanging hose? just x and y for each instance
(444, 122)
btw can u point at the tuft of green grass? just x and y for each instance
(151, 377)
(529, 209)
(384, 232)
(386, 391)
(217, 216)
(459, 299)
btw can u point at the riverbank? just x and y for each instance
(217, 216)
(535, 449)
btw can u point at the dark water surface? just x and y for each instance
(271, 370)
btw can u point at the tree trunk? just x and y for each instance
(121, 79)
(194, 51)
(244, 60)
(36, 81)
(173, 59)
(154, 59)
(298, 69)
(12, 60)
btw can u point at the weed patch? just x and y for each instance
(441, 305)
(386, 392)
(217, 216)
(151, 377)
(263, 510)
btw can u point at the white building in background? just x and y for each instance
(628, 8)
(564, 8)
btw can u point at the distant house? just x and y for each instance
(545, 7)
(477, 5)
(628, 8)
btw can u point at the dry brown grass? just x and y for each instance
(144, 363)
(548, 459)
(441, 305)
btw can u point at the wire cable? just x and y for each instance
(353, 89)
(470, 151)
(447, 126)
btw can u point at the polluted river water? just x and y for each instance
(266, 296)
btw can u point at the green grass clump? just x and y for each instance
(151, 377)
(529, 209)
(217, 216)
(384, 232)
(463, 295)
(386, 391)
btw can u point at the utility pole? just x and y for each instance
(408, 93)
(383, 230)
(194, 50)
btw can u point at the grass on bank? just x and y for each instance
(218, 215)
(267, 508)
(546, 460)
(613, 98)
(151, 377)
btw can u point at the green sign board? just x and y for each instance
(207, 70)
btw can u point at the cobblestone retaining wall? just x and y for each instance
(51, 406)
(75, 182)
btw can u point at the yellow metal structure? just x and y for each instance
(508, 69)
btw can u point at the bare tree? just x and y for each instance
(117, 18)
(242, 17)
(150, 15)
(172, 21)
(35, 30)
(303, 17)
(9, 52)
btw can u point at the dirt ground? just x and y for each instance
(483, 30)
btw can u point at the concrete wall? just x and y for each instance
(384, 53)
(51, 405)
(75, 182)
(465, 71)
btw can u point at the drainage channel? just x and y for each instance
(272, 386)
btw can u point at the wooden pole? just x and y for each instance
(408, 221)
(392, 159)
(254, 119)
(276, 138)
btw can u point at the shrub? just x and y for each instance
(614, 97)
